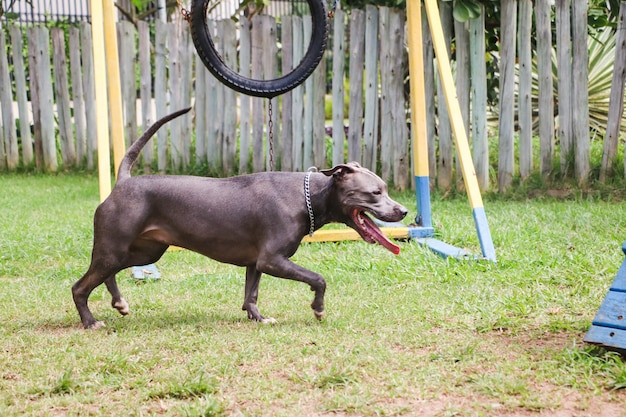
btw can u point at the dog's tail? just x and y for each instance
(133, 152)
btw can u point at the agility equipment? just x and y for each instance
(423, 232)
(608, 328)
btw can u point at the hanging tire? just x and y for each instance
(254, 87)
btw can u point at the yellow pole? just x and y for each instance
(102, 120)
(418, 103)
(454, 110)
(115, 87)
(418, 113)
(460, 135)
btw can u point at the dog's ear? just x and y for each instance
(340, 170)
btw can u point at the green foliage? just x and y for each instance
(464, 10)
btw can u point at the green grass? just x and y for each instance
(404, 335)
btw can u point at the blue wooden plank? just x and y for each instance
(612, 339)
(612, 312)
(619, 284)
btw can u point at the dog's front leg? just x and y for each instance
(283, 268)
(253, 278)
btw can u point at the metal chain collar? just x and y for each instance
(307, 197)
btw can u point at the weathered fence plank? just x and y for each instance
(307, 139)
(445, 163)
(337, 87)
(8, 146)
(297, 110)
(319, 116)
(244, 100)
(126, 34)
(258, 155)
(394, 132)
(229, 130)
(185, 54)
(19, 75)
(62, 96)
(41, 88)
(370, 125)
(564, 66)
(287, 99)
(544, 69)
(78, 97)
(506, 121)
(386, 66)
(616, 99)
(89, 91)
(357, 59)
(145, 86)
(524, 102)
(160, 90)
(270, 71)
(175, 89)
(461, 35)
(400, 138)
(429, 97)
(580, 112)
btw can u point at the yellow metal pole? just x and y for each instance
(456, 118)
(458, 127)
(416, 71)
(102, 118)
(418, 113)
(114, 83)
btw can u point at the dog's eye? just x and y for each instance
(377, 192)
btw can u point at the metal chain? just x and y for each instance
(307, 197)
(331, 12)
(183, 11)
(270, 134)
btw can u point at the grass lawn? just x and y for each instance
(410, 335)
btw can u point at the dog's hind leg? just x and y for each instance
(117, 301)
(142, 252)
(253, 278)
(83, 288)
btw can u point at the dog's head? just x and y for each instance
(360, 191)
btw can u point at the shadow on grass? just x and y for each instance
(148, 319)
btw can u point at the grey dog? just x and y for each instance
(256, 221)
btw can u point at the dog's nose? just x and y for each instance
(402, 210)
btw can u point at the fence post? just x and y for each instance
(9, 155)
(338, 61)
(41, 94)
(355, 113)
(78, 97)
(19, 74)
(370, 126)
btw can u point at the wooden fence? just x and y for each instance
(228, 131)
(50, 90)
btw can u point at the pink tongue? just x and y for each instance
(379, 237)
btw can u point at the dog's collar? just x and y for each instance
(307, 197)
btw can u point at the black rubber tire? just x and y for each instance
(260, 88)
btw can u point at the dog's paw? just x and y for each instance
(96, 325)
(268, 320)
(122, 307)
(319, 315)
